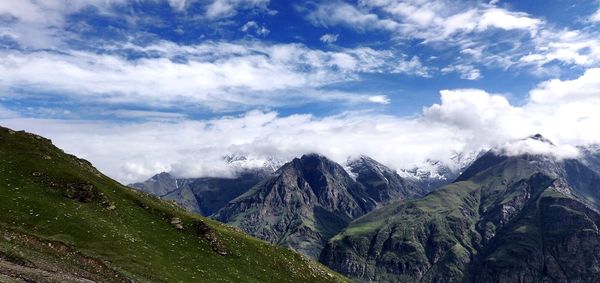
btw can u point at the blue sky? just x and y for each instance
(76, 69)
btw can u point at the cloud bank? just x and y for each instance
(565, 111)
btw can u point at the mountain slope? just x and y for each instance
(63, 221)
(204, 196)
(506, 219)
(308, 200)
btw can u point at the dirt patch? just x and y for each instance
(72, 266)
(19, 273)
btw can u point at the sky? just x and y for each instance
(144, 86)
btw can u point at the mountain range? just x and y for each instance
(506, 216)
(300, 205)
(499, 218)
(524, 218)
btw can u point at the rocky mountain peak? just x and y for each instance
(539, 137)
(366, 162)
(163, 176)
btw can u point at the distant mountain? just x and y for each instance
(63, 221)
(433, 174)
(312, 198)
(381, 183)
(241, 163)
(202, 195)
(525, 218)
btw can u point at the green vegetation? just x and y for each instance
(58, 213)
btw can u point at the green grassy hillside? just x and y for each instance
(63, 221)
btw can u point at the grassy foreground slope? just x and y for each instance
(63, 221)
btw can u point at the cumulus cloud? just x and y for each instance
(217, 75)
(464, 120)
(586, 87)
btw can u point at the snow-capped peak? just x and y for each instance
(439, 170)
(246, 162)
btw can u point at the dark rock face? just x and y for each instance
(507, 219)
(201, 195)
(81, 192)
(306, 202)
(382, 184)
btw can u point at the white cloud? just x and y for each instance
(568, 46)
(178, 5)
(563, 111)
(329, 38)
(537, 147)
(228, 8)
(381, 99)
(217, 75)
(484, 116)
(467, 72)
(492, 36)
(41, 24)
(464, 120)
(584, 88)
(596, 16)
(340, 13)
(412, 66)
(431, 20)
(503, 19)
(253, 26)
